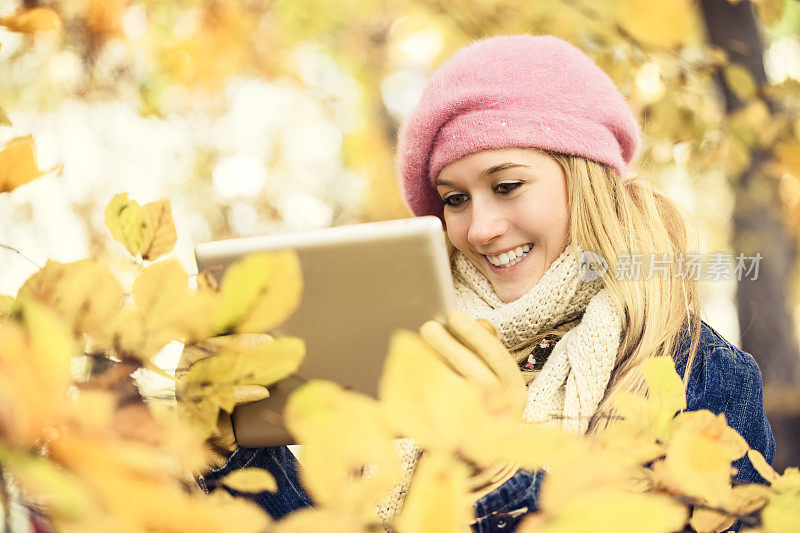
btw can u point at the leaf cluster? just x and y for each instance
(86, 448)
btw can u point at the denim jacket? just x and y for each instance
(723, 379)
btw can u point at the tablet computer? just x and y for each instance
(360, 284)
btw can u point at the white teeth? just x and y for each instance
(511, 257)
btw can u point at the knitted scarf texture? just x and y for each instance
(572, 382)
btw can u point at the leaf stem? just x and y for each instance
(158, 370)
(18, 252)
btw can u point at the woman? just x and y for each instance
(520, 144)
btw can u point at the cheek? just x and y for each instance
(456, 231)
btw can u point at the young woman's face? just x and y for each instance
(507, 211)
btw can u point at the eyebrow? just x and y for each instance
(487, 172)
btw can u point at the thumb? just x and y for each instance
(249, 393)
(488, 326)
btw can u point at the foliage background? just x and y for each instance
(258, 116)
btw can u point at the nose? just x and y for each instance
(486, 224)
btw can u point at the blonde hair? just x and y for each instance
(614, 218)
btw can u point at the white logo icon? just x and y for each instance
(591, 266)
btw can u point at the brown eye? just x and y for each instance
(505, 188)
(454, 200)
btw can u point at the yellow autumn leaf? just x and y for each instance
(665, 391)
(710, 520)
(45, 483)
(637, 410)
(53, 347)
(35, 373)
(601, 469)
(136, 492)
(7, 305)
(787, 157)
(251, 480)
(657, 22)
(789, 481)
(32, 20)
(739, 81)
(746, 499)
(125, 220)
(762, 466)
(161, 292)
(316, 414)
(160, 236)
(438, 500)
(159, 287)
(211, 383)
(258, 293)
(737, 155)
(699, 455)
(128, 333)
(4, 120)
(769, 11)
(782, 513)
(320, 520)
(751, 123)
(632, 439)
(146, 230)
(414, 379)
(84, 292)
(664, 384)
(238, 364)
(18, 163)
(201, 413)
(93, 409)
(615, 510)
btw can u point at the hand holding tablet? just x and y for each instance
(360, 284)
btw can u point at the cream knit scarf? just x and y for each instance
(572, 382)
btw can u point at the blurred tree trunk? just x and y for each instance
(765, 317)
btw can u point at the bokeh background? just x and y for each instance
(265, 116)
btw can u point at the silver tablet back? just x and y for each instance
(360, 284)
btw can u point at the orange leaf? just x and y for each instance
(18, 163)
(33, 20)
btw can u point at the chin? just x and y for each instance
(510, 295)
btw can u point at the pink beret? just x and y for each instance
(520, 91)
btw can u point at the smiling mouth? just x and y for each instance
(510, 258)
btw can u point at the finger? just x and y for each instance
(487, 346)
(235, 342)
(488, 326)
(456, 354)
(191, 354)
(196, 351)
(249, 393)
(223, 443)
(494, 475)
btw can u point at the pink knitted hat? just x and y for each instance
(520, 91)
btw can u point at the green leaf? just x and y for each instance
(125, 220)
